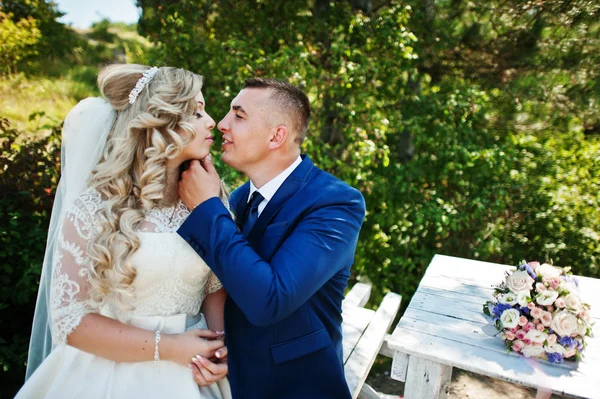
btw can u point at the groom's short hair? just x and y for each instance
(289, 98)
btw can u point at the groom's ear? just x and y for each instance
(279, 136)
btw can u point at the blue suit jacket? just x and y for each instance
(285, 283)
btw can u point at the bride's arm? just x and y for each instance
(213, 308)
(74, 315)
(113, 340)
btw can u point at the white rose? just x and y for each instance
(536, 336)
(582, 329)
(523, 298)
(566, 287)
(546, 298)
(533, 350)
(571, 286)
(572, 301)
(519, 281)
(510, 318)
(564, 323)
(555, 348)
(508, 298)
(548, 271)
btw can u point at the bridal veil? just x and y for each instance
(84, 136)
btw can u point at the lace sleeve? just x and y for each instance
(69, 295)
(212, 285)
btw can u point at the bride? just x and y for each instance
(119, 287)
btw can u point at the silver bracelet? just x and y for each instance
(156, 341)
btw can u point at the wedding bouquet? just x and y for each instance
(538, 313)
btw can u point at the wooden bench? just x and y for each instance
(365, 332)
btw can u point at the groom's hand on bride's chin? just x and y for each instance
(199, 183)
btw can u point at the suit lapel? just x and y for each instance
(239, 202)
(292, 185)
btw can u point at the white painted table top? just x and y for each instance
(444, 323)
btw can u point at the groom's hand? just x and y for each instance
(199, 183)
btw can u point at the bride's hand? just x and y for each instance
(181, 348)
(207, 371)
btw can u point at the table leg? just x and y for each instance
(399, 366)
(427, 379)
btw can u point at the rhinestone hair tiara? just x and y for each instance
(139, 86)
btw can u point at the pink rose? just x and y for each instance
(533, 265)
(509, 335)
(570, 353)
(514, 329)
(564, 323)
(522, 321)
(572, 301)
(585, 315)
(527, 341)
(537, 321)
(560, 303)
(546, 318)
(530, 305)
(518, 345)
(550, 308)
(521, 334)
(540, 327)
(536, 313)
(551, 339)
(539, 287)
(519, 281)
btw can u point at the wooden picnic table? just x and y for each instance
(444, 327)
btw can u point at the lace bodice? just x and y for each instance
(171, 278)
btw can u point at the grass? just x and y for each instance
(54, 87)
(22, 95)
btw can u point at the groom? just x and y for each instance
(286, 262)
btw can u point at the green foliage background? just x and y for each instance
(471, 128)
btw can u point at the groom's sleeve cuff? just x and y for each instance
(197, 228)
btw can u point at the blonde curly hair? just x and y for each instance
(132, 175)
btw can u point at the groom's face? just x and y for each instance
(247, 129)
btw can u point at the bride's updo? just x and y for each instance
(131, 175)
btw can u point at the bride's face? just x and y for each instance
(199, 147)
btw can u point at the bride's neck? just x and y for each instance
(170, 195)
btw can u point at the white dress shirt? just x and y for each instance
(270, 188)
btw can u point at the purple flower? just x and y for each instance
(524, 311)
(500, 307)
(531, 272)
(555, 357)
(568, 342)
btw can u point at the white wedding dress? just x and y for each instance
(171, 283)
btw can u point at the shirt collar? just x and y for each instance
(270, 188)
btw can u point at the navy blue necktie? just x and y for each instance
(251, 213)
